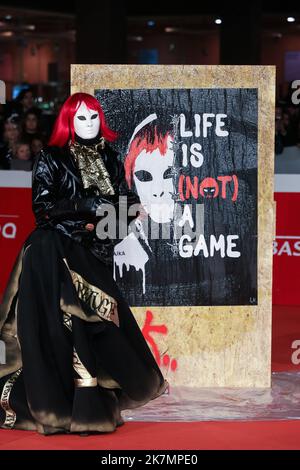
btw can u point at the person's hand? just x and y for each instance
(90, 227)
(142, 213)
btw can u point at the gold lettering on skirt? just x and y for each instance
(100, 302)
(92, 382)
(86, 380)
(103, 379)
(67, 320)
(10, 415)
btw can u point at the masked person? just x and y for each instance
(75, 356)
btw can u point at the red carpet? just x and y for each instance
(146, 436)
(195, 435)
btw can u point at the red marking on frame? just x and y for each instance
(147, 329)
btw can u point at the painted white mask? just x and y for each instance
(86, 122)
(154, 183)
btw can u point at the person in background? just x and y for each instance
(24, 102)
(288, 130)
(37, 144)
(10, 138)
(31, 126)
(23, 151)
(22, 158)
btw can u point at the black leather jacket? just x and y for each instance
(60, 202)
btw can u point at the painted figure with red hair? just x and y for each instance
(75, 356)
(149, 168)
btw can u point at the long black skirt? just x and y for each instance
(75, 355)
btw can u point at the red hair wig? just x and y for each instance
(158, 141)
(64, 125)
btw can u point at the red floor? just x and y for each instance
(195, 435)
(146, 436)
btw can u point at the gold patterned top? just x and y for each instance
(91, 166)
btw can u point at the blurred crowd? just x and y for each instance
(25, 129)
(287, 126)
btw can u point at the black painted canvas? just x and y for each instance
(191, 156)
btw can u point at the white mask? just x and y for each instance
(86, 122)
(154, 183)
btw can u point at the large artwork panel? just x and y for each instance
(204, 305)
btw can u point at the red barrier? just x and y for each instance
(16, 222)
